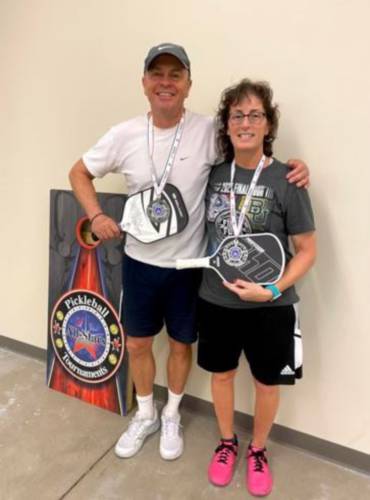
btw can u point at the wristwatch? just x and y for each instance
(276, 293)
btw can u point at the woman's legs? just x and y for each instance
(259, 479)
(266, 406)
(223, 400)
(221, 467)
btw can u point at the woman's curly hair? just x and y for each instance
(234, 95)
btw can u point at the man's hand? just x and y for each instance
(299, 174)
(105, 228)
(250, 292)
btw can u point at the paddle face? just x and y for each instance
(258, 258)
(149, 220)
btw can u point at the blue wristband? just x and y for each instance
(276, 293)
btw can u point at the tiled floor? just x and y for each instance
(53, 446)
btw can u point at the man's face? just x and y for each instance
(166, 85)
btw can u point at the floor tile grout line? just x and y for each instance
(86, 472)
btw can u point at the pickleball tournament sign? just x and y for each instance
(86, 355)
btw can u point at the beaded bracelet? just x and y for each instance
(95, 216)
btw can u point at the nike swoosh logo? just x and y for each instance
(184, 158)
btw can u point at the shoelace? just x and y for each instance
(224, 451)
(170, 428)
(259, 460)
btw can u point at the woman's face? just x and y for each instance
(247, 125)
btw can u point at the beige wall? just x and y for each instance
(71, 69)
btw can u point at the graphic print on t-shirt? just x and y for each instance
(256, 217)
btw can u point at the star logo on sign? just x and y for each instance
(56, 328)
(116, 345)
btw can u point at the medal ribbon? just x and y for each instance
(237, 224)
(158, 187)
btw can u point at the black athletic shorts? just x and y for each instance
(268, 336)
(154, 296)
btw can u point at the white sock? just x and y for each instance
(145, 406)
(172, 407)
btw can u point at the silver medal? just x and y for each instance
(158, 211)
(235, 254)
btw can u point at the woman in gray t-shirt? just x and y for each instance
(242, 316)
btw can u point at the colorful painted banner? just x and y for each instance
(87, 358)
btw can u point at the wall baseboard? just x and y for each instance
(22, 348)
(341, 455)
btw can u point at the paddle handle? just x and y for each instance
(191, 263)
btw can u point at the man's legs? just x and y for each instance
(146, 420)
(180, 303)
(142, 318)
(142, 363)
(153, 295)
(142, 366)
(178, 368)
(178, 365)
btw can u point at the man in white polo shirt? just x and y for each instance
(165, 156)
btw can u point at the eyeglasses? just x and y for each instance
(254, 117)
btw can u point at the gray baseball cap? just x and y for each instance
(167, 48)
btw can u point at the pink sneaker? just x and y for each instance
(221, 468)
(259, 478)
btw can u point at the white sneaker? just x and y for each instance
(171, 443)
(133, 439)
